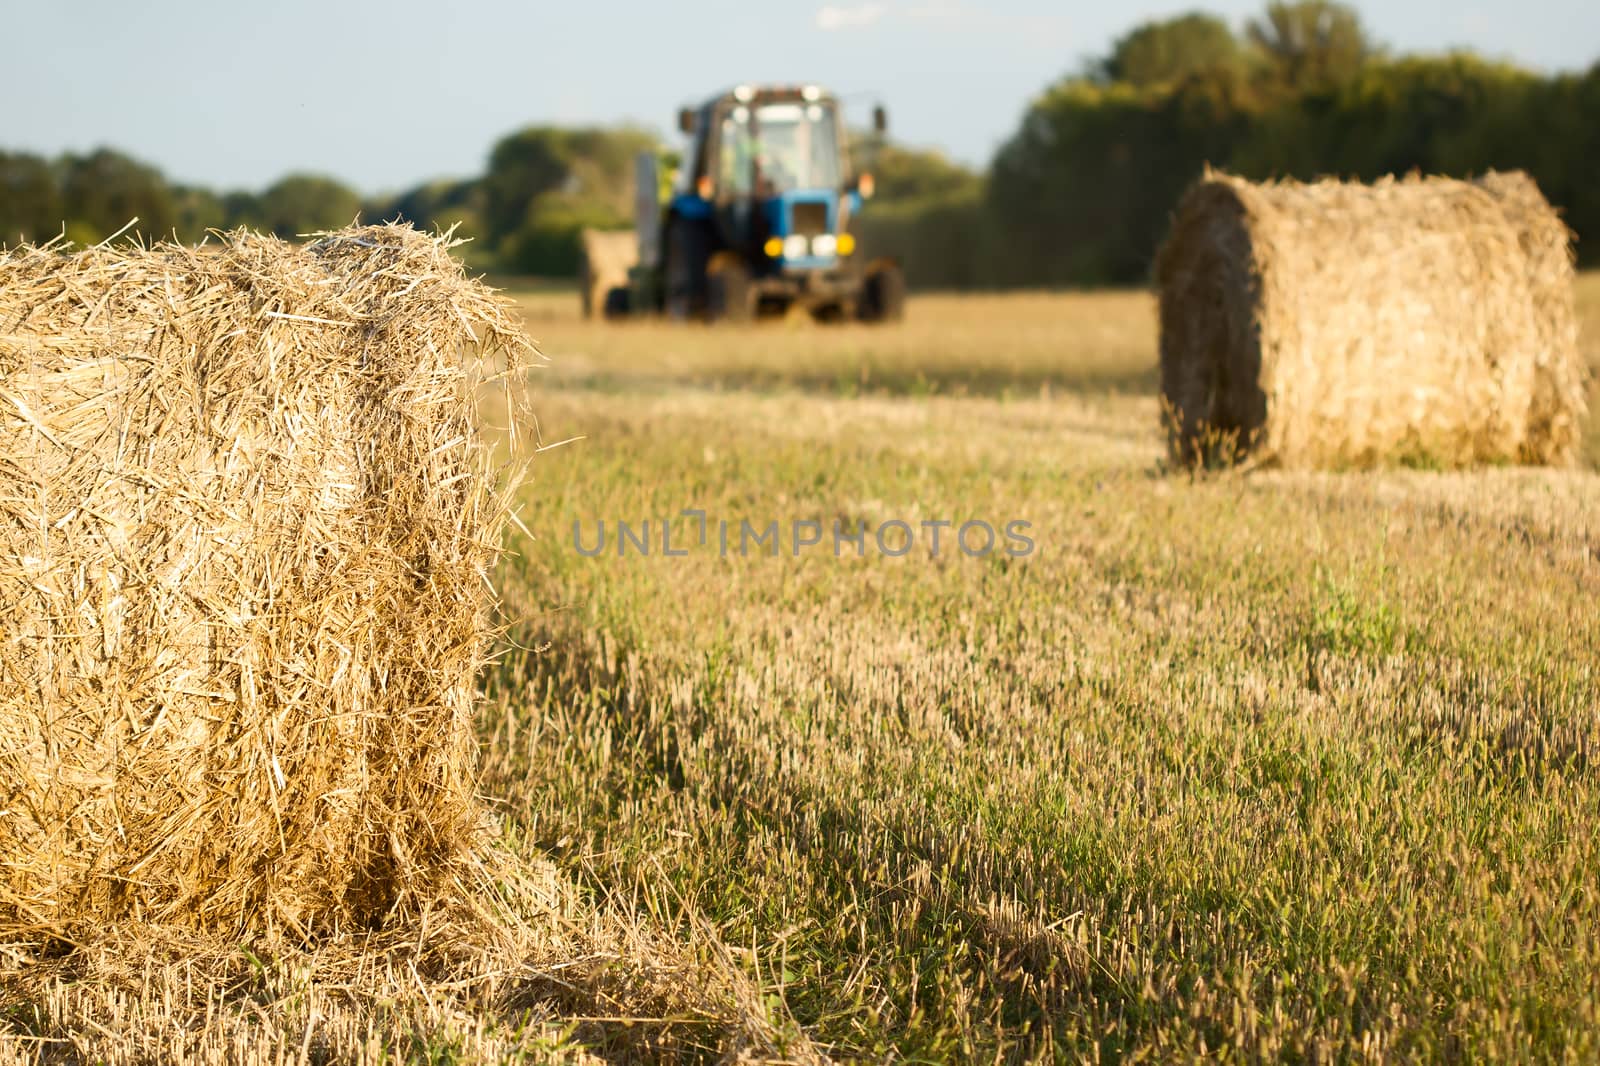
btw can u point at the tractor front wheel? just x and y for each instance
(618, 302)
(883, 293)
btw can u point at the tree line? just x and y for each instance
(1080, 193)
(1083, 190)
(88, 198)
(523, 215)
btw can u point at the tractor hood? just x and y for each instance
(806, 221)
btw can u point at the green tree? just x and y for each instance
(440, 206)
(942, 241)
(1447, 115)
(30, 201)
(1168, 51)
(241, 208)
(904, 174)
(927, 213)
(1566, 138)
(104, 191)
(1311, 44)
(589, 166)
(197, 211)
(433, 205)
(545, 184)
(305, 203)
(1082, 192)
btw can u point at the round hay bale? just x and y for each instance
(246, 525)
(1335, 324)
(607, 258)
(1560, 400)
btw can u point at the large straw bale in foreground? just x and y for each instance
(245, 529)
(607, 258)
(1348, 324)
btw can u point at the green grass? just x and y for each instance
(1245, 766)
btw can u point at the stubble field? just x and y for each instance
(1254, 765)
(1245, 766)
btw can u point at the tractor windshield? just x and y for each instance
(781, 147)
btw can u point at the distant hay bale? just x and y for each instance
(246, 525)
(607, 258)
(1333, 324)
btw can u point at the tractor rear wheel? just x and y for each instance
(688, 247)
(729, 295)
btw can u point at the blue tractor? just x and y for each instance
(762, 217)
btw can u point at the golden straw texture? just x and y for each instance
(245, 533)
(1335, 324)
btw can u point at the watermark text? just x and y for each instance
(695, 531)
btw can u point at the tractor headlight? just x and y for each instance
(824, 245)
(795, 246)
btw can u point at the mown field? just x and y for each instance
(1245, 766)
(1255, 766)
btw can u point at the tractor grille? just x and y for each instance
(808, 220)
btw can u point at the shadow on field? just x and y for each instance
(650, 773)
(571, 714)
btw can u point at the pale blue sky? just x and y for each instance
(384, 95)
